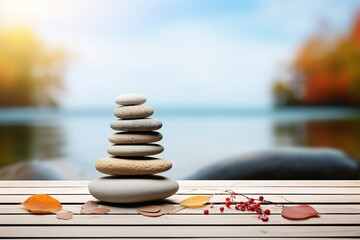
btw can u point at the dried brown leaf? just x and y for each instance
(167, 208)
(64, 215)
(100, 210)
(150, 209)
(162, 210)
(150, 214)
(89, 205)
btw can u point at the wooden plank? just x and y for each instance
(191, 190)
(193, 220)
(270, 183)
(179, 231)
(47, 190)
(214, 238)
(6, 199)
(196, 183)
(42, 183)
(75, 208)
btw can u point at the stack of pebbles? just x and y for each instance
(132, 170)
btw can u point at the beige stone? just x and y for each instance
(132, 166)
(135, 137)
(147, 124)
(134, 150)
(133, 112)
(130, 99)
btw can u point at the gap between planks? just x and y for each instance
(198, 238)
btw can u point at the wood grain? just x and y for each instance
(337, 201)
(197, 190)
(179, 231)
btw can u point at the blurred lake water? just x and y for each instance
(192, 140)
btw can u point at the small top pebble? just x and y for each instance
(130, 99)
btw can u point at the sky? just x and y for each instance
(179, 53)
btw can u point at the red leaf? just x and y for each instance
(299, 212)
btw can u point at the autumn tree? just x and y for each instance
(325, 72)
(30, 73)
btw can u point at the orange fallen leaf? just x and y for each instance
(64, 215)
(195, 201)
(42, 203)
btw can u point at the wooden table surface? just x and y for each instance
(337, 201)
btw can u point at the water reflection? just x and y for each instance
(343, 134)
(26, 142)
(76, 141)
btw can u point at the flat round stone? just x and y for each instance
(130, 99)
(133, 112)
(135, 137)
(133, 150)
(137, 189)
(132, 166)
(147, 124)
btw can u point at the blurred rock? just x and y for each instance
(284, 164)
(40, 170)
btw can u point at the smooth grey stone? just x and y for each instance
(116, 189)
(147, 124)
(133, 150)
(135, 137)
(284, 164)
(133, 112)
(130, 99)
(132, 165)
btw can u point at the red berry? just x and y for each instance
(237, 207)
(228, 204)
(252, 208)
(251, 200)
(265, 219)
(221, 209)
(246, 204)
(241, 202)
(227, 199)
(267, 211)
(206, 211)
(257, 205)
(261, 198)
